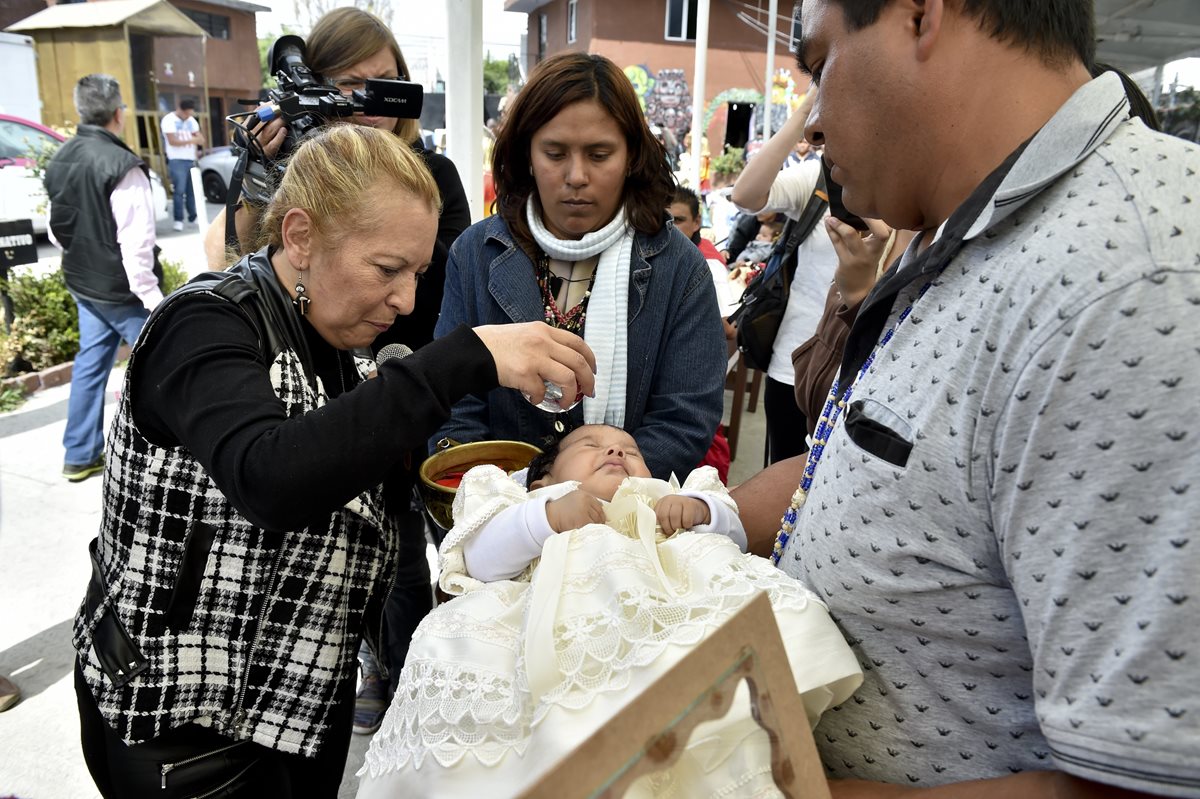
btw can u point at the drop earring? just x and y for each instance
(302, 301)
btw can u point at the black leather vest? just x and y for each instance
(79, 180)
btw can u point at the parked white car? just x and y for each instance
(21, 193)
(216, 173)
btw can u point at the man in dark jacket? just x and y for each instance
(102, 215)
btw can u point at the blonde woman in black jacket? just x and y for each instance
(246, 544)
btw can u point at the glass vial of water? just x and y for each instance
(553, 401)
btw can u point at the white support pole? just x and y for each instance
(699, 88)
(202, 220)
(1156, 95)
(769, 80)
(464, 97)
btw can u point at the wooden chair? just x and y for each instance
(650, 732)
(740, 378)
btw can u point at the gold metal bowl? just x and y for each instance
(439, 499)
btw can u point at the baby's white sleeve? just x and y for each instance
(505, 546)
(722, 519)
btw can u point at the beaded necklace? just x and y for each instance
(572, 321)
(830, 413)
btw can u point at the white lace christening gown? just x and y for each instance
(508, 677)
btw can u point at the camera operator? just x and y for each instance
(347, 47)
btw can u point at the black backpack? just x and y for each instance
(766, 296)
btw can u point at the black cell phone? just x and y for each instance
(836, 209)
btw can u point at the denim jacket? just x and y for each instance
(676, 345)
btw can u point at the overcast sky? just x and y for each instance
(417, 20)
(1187, 70)
(420, 27)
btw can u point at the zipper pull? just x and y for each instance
(166, 769)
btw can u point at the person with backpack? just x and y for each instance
(808, 270)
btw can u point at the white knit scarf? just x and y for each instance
(606, 326)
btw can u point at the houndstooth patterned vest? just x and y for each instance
(247, 630)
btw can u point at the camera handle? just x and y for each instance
(233, 198)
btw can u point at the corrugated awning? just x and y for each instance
(1137, 34)
(524, 6)
(239, 5)
(153, 17)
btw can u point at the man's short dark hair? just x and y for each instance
(1057, 30)
(187, 105)
(685, 195)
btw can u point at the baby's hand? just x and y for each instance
(574, 510)
(677, 513)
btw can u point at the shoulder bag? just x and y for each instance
(765, 299)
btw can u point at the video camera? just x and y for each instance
(305, 101)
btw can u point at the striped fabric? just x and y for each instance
(608, 310)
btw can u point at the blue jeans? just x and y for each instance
(101, 328)
(181, 186)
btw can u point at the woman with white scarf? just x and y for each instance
(580, 240)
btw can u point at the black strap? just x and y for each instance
(872, 317)
(252, 286)
(233, 200)
(118, 655)
(796, 231)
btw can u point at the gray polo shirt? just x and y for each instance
(1020, 591)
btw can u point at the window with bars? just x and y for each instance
(681, 21)
(571, 10)
(215, 25)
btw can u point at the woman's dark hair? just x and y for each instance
(541, 464)
(1057, 30)
(1139, 104)
(554, 84)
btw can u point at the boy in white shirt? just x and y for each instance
(182, 133)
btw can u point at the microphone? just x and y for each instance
(392, 352)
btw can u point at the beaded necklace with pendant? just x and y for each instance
(571, 321)
(830, 413)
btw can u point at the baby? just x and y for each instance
(599, 458)
(574, 593)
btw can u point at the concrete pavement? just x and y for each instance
(45, 525)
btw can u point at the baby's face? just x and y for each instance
(600, 458)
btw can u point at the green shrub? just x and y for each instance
(45, 329)
(174, 275)
(10, 399)
(728, 163)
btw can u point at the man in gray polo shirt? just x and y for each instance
(1001, 518)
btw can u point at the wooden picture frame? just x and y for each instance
(652, 730)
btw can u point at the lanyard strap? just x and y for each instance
(865, 342)
(873, 316)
